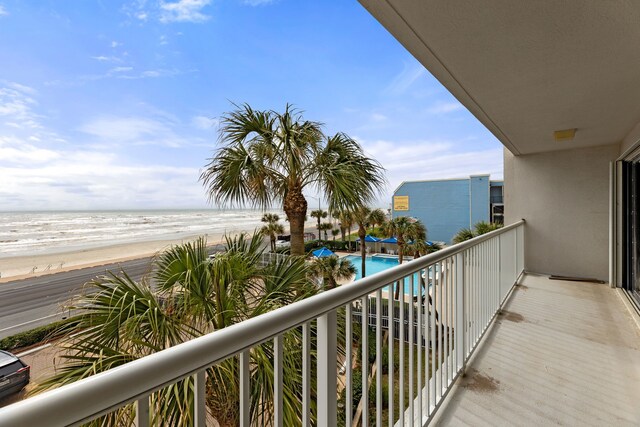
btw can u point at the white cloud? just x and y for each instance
(132, 130)
(104, 58)
(3, 11)
(405, 79)
(22, 88)
(163, 40)
(120, 69)
(41, 170)
(183, 11)
(203, 122)
(445, 107)
(154, 74)
(151, 73)
(431, 159)
(97, 180)
(16, 106)
(137, 9)
(16, 151)
(122, 129)
(377, 117)
(125, 73)
(114, 44)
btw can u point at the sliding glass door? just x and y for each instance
(631, 227)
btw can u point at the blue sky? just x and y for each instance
(107, 104)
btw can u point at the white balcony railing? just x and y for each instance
(434, 331)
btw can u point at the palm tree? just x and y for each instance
(462, 235)
(325, 226)
(272, 228)
(333, 269)
(377, 217)
(479, 228)
(346, 222)
(433, 247)
(319, 214)
(334, 233)
(420, 247)
(483, 227)
(404, 228)
(361, 217)
(124, 320)
(268, 157)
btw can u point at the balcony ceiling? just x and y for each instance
(528, 68)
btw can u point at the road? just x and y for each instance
(28, 303)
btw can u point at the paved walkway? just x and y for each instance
(563, 353)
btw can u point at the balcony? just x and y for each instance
(560, 353)
(534, 351)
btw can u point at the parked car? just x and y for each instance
(14, 374)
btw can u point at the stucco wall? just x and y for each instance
(631, 140)
(442, 206)
(479, 198)
(446, 206)
(564, 197)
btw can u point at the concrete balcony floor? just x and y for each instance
(562, 353)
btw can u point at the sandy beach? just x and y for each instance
(23, 266)
(14, 268)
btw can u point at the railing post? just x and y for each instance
(306, 374)
(499, 261)
(142, 412)
(327, 369)
(278, 381)
(520, 249)
(461, 326)
(200, 399)
(245, 396)
(364, 340)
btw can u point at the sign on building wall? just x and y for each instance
(400, 203)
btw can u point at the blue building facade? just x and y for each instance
(446, 206)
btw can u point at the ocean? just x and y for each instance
(33, 233)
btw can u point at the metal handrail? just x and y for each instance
(102, 393)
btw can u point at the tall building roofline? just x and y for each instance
(443, 179)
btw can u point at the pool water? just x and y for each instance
(376, 264)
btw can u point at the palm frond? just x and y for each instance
(348, 178)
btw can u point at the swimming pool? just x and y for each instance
(377, 263)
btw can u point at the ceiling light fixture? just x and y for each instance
(564, 134)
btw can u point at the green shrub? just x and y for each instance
(334, 245)
(337, 245)
(36, 335)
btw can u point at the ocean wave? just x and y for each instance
(39, 232)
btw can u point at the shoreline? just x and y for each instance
(20, 267)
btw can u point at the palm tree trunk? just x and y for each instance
(273, 243)
(295, 206)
